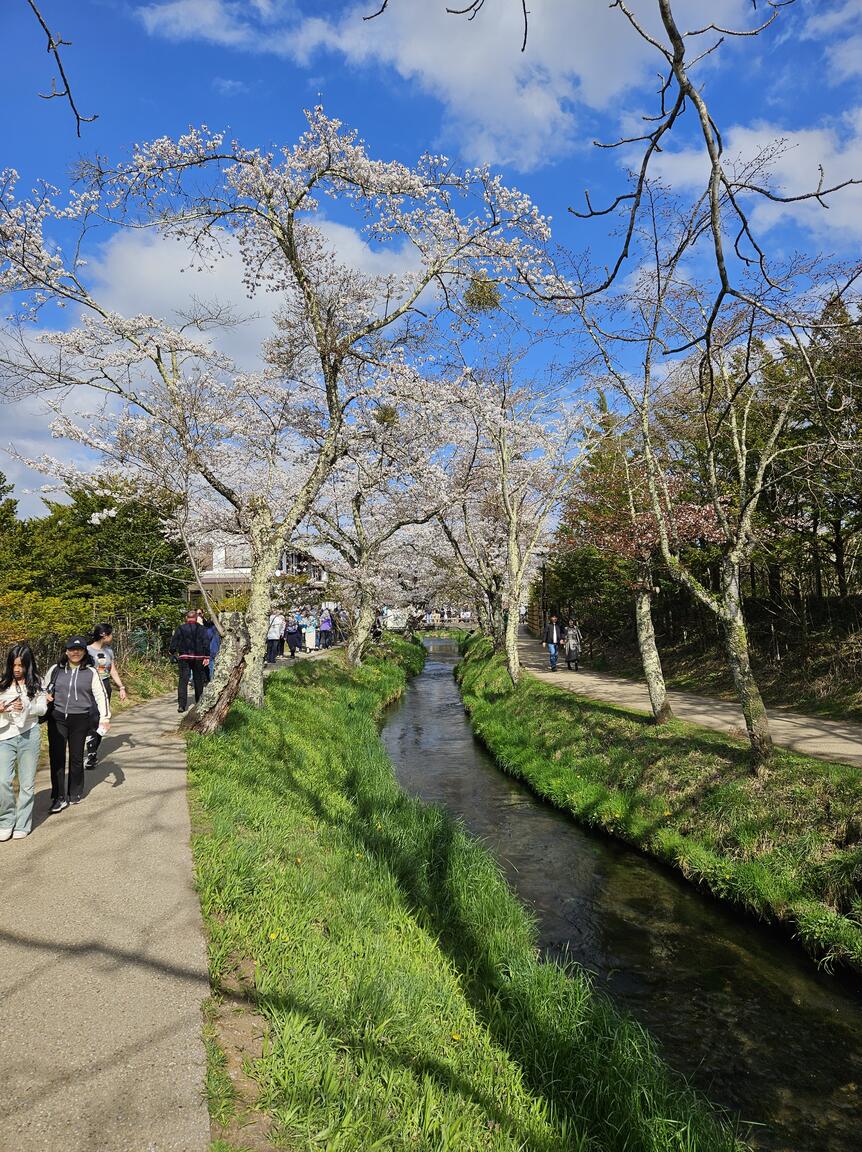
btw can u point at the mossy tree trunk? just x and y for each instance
(736, 645)
(650, 657)
(510, 643)
(360, 631)
(267, 542)
(210, 712)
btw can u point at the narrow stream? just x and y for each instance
(734, 1006)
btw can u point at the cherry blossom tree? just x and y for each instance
(531, 437)
(392, 478)
(475, 531)
(264, 442)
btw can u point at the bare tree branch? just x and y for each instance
(55, 43)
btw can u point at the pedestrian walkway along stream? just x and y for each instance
(102, 959)
(734, 1006)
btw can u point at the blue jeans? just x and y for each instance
(22, 750)
(552, 656)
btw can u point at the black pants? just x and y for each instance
(272, 650)
(292, 639)
(93, 737)
(67, 732)
(194, 669)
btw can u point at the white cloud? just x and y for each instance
(163, 285)
(838, 147)
(227, 87)
(501, 105)
(231, 23)
(837, 26)
(847, 57)
(142, 272)
(829, 18)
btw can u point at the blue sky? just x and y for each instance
(416, 79)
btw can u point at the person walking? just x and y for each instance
(78, 704)
(325, 628)
(214, 638)
(310, 632)
(551, 640)
(273, 636)
(22, 702)
(190, 648)
(292, 634)
(572, 645)
(103, 657)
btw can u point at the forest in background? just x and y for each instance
(90, 560)
(801, 586)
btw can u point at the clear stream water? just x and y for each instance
(735, 1006)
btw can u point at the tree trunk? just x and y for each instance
(840, 562)
(736, 644)
(773, 571)
(360, 631)
(650, 658)
(497, 629)
(210, 712)
(815, 557)
(265, 557)
(513, 660)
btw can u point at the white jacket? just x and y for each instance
(17, 723)
(276, 626)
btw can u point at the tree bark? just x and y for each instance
(815, 556)
(650, 658)
(360, 631)
(266, 549)
(840, 561)
(210, 712)
(736, 644)
(497, 621)
(513, 659)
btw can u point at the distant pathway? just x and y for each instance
(102, 959)
(809, 735)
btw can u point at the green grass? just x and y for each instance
(144, 679)
(786, 844)
(405, 1006)
(827, 686)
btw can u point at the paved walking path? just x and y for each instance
(809, 735)
(102, 959)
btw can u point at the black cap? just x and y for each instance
(76, 642)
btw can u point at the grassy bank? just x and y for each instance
(786, 846)
(375, 981)
(828, 685)
(144, 680)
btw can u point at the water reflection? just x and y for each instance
(736, 1008)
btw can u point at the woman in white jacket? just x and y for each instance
(22, 702)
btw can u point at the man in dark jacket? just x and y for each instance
(552, 639)
(190, 647)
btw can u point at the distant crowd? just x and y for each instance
(303, 630)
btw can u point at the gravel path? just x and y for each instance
(102, 959)
(809, 735)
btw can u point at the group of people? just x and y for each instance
(73, 699)
(566, 638)
(195, 644)
(304, 630)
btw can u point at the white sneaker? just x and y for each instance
(20, 833)
(5, 834)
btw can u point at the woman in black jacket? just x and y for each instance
(78, 703)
